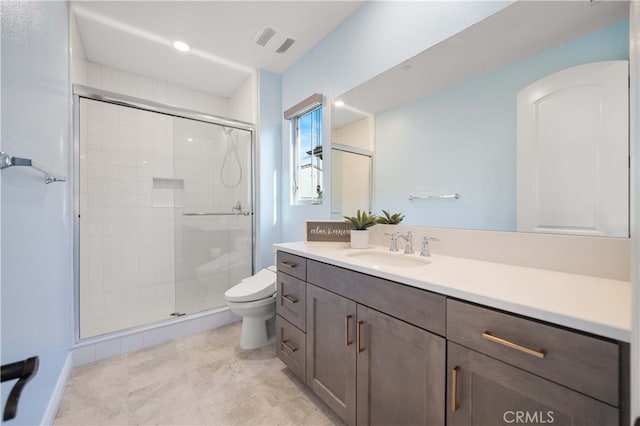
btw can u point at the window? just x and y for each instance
(306, 162)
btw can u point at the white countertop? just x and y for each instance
(591, 304)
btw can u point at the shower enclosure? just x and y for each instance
(164, 203)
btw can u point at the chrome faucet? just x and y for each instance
(394, 240)
(425, 246)
(237, 208)
(408, 249)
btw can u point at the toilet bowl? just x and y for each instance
(254, 299)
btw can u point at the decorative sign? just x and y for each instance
(334, 231)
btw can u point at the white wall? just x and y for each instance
(36, 222)
(376, 37)
(243, 102)
(268, 194)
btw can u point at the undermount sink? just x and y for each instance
(380, 258)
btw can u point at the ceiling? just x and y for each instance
(137, 36)
(516, 32)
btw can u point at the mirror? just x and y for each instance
(351, 167)
(445, 122)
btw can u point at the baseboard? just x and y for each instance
(49, 416)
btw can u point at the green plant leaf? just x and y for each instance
(390, 219)
(362, 220)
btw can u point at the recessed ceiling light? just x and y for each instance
(189, 139)
(181, 46)
(339, 103)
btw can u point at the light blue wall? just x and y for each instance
(376, 37)
(463, 139)
(36, 228)
(269, 154)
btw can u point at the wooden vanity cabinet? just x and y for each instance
(503, 369)
(331, 350)
(485, 391)
(369, 367)
(383, 353)
(400, 377)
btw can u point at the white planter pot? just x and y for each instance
(359, 239)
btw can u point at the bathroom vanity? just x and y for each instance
(450, 340)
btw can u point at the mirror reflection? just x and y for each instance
(351, 167)
(447, 122)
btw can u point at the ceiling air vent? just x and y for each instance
(271, 37)
(264, 35)
(286, 45)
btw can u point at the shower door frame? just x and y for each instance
(86, 92)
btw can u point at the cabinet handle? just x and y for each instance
(347, 342)
(289, 298)
(288, 347)
(538, 354)
(454, 389)
(288, 264)
(358, 332)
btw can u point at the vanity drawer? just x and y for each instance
(291, 302)
(293, 265)
(291, 347)
(413, 305)
(584, 363)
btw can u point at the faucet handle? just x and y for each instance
(408, 249)
(394, 240)
(425, 246)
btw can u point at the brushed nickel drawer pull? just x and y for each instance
(538, 354)
(358, 332)
(347, 342)
(454, 389)
(288, 264)
(288, 347)
(289, 298)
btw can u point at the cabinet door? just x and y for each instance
(401, 378)
(331, 355)
(485, 391)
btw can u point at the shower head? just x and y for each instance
(227, 130)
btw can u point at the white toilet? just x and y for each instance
(254, 299)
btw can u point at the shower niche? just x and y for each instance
(164, 206)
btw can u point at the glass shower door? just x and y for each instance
(211, 192)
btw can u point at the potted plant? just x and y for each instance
(390, 219)
(360, 234)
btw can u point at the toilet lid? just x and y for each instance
(259, 286)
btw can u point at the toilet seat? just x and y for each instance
(260, 286)
(253, 304)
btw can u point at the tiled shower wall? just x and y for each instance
(141, 258)
(115, 80)
(126, 227)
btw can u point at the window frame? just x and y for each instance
(294, 114)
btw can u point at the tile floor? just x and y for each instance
(204, 379)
